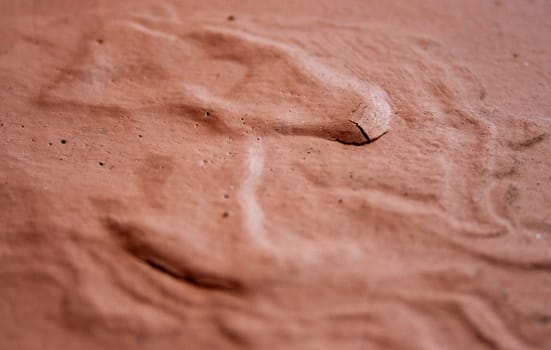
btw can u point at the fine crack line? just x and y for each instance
(362, 131)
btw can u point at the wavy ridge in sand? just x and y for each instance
(252, 211)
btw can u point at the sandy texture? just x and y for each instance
(275, 174)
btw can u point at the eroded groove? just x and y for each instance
(156, 254)
(199, 281)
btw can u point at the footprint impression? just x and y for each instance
(268, 87)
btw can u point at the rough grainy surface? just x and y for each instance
(198, 174)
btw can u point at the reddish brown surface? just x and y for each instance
(183, 175)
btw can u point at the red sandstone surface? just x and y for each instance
(275, 174)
